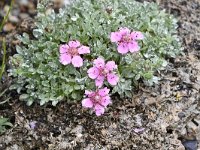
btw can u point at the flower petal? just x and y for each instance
(110, 65)
(74, 44)
(77, 61)
(84, 50)
(104, 91)
(99, 110)
(63, 48)
(124, 31)
(65, 59)
(89, 93)
(133, 47)
(99, 81)
(115, 37)
(112, 79)
(93, 72)
(122, 48)
(99, 62)
(87, 103)
(137, 35)
(105, 101)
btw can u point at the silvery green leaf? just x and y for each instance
(42, 102)
(54, 103)
(13, 86)
(137, 77)
(128, 94)
(37, 32)
(74, 95)
(24, 38)
(74, 18)
(23, 96)
(19, 50)
(30, 102)
(164, 64)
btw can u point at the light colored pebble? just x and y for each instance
(13, 19)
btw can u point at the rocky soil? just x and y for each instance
(162, 117)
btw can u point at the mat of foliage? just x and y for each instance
(42, 78)
(158, 117)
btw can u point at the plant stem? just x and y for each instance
(6, 17)
(4, 41)
(4, 58)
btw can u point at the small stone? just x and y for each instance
(192, 127)
(13, 19)
(79, 135)
(23, 2)
(181, 147)
(113, 126)
(8, 27)
(60, 3)
(150, 100)
(15, 12)
(6, 8)
(104, 132)
(181, 115)
(190, 145)
(63, 144)
(14, 147)
(66, 2)
(183, 131)
(78, 129)
(49, 11)
(23, 15)
(31, 8)
(116, 143)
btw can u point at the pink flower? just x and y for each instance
(101, 71)
(70, 53)
(126, 40)
(97, 100)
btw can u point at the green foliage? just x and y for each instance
(39, 74)
(3, 123)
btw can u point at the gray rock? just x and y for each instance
(23, 2)
(13, 19)
(190, 145)
(23, 15)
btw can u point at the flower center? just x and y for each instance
(105, 71)
(97, 97)
(126, 38)
(73, 51)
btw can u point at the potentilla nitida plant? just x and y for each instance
(92, 45)
(99, 99)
